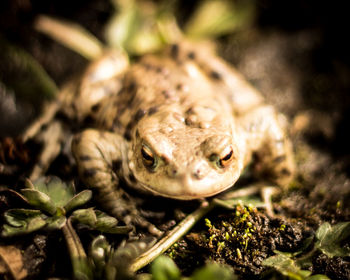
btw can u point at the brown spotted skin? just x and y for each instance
(200, 121)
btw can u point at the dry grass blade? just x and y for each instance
(71, 35)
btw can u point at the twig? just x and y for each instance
(182, 228)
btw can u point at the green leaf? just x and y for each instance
(215, 18)
(22, 221)
(286, 266)
(98, 220)
(22, 73)
(78, 200)
(55, 222)
(214, 271)
(318, 277)
(85, 217)
(18, 217)
(39, 200)
(329, 239)
(59, 192)
(134, 28)
(163, 268)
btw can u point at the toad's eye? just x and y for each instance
(148, 158)
(224, 160)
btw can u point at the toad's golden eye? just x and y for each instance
(225, 160)
(148, 157)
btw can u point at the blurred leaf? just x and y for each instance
(85, 217)
(286, 266)
(121, 25)
(22, 73)
(330, 238)
(78, 200)
(99, 250)
(218, 17)
(164, 268)
(59, 192)
(22, 221)
(214, 271)
(39, 200)
(17, 217)
(134, 27)
(71, 35)
(99, 220)
(55, 222)
(318, 277)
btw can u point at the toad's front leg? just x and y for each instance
(266, 139)
(102, 160)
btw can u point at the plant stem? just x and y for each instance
(81, 269)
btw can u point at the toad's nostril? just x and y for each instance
(172, 172)
(197, 174)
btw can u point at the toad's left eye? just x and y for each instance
(223, 159)
(227, 157)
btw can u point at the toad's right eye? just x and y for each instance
(148, 157)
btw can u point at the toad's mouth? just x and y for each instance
(184, 192)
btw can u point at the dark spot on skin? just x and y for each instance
(132, 178)
(215, 75)
(139, 114)
(95, 108)
(191, 55)
(44, 126)
(189, 111)
(131, 87)
(159, 69)
(117, 165)
(174, 51)
(90, 172)
(279, 159)
(179, 86)
(84, 158)
(127, 134)
(152, 110)
(166, 93)
(285, 172)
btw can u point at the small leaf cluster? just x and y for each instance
(284, 264)
(328, 240)
(51, 201)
